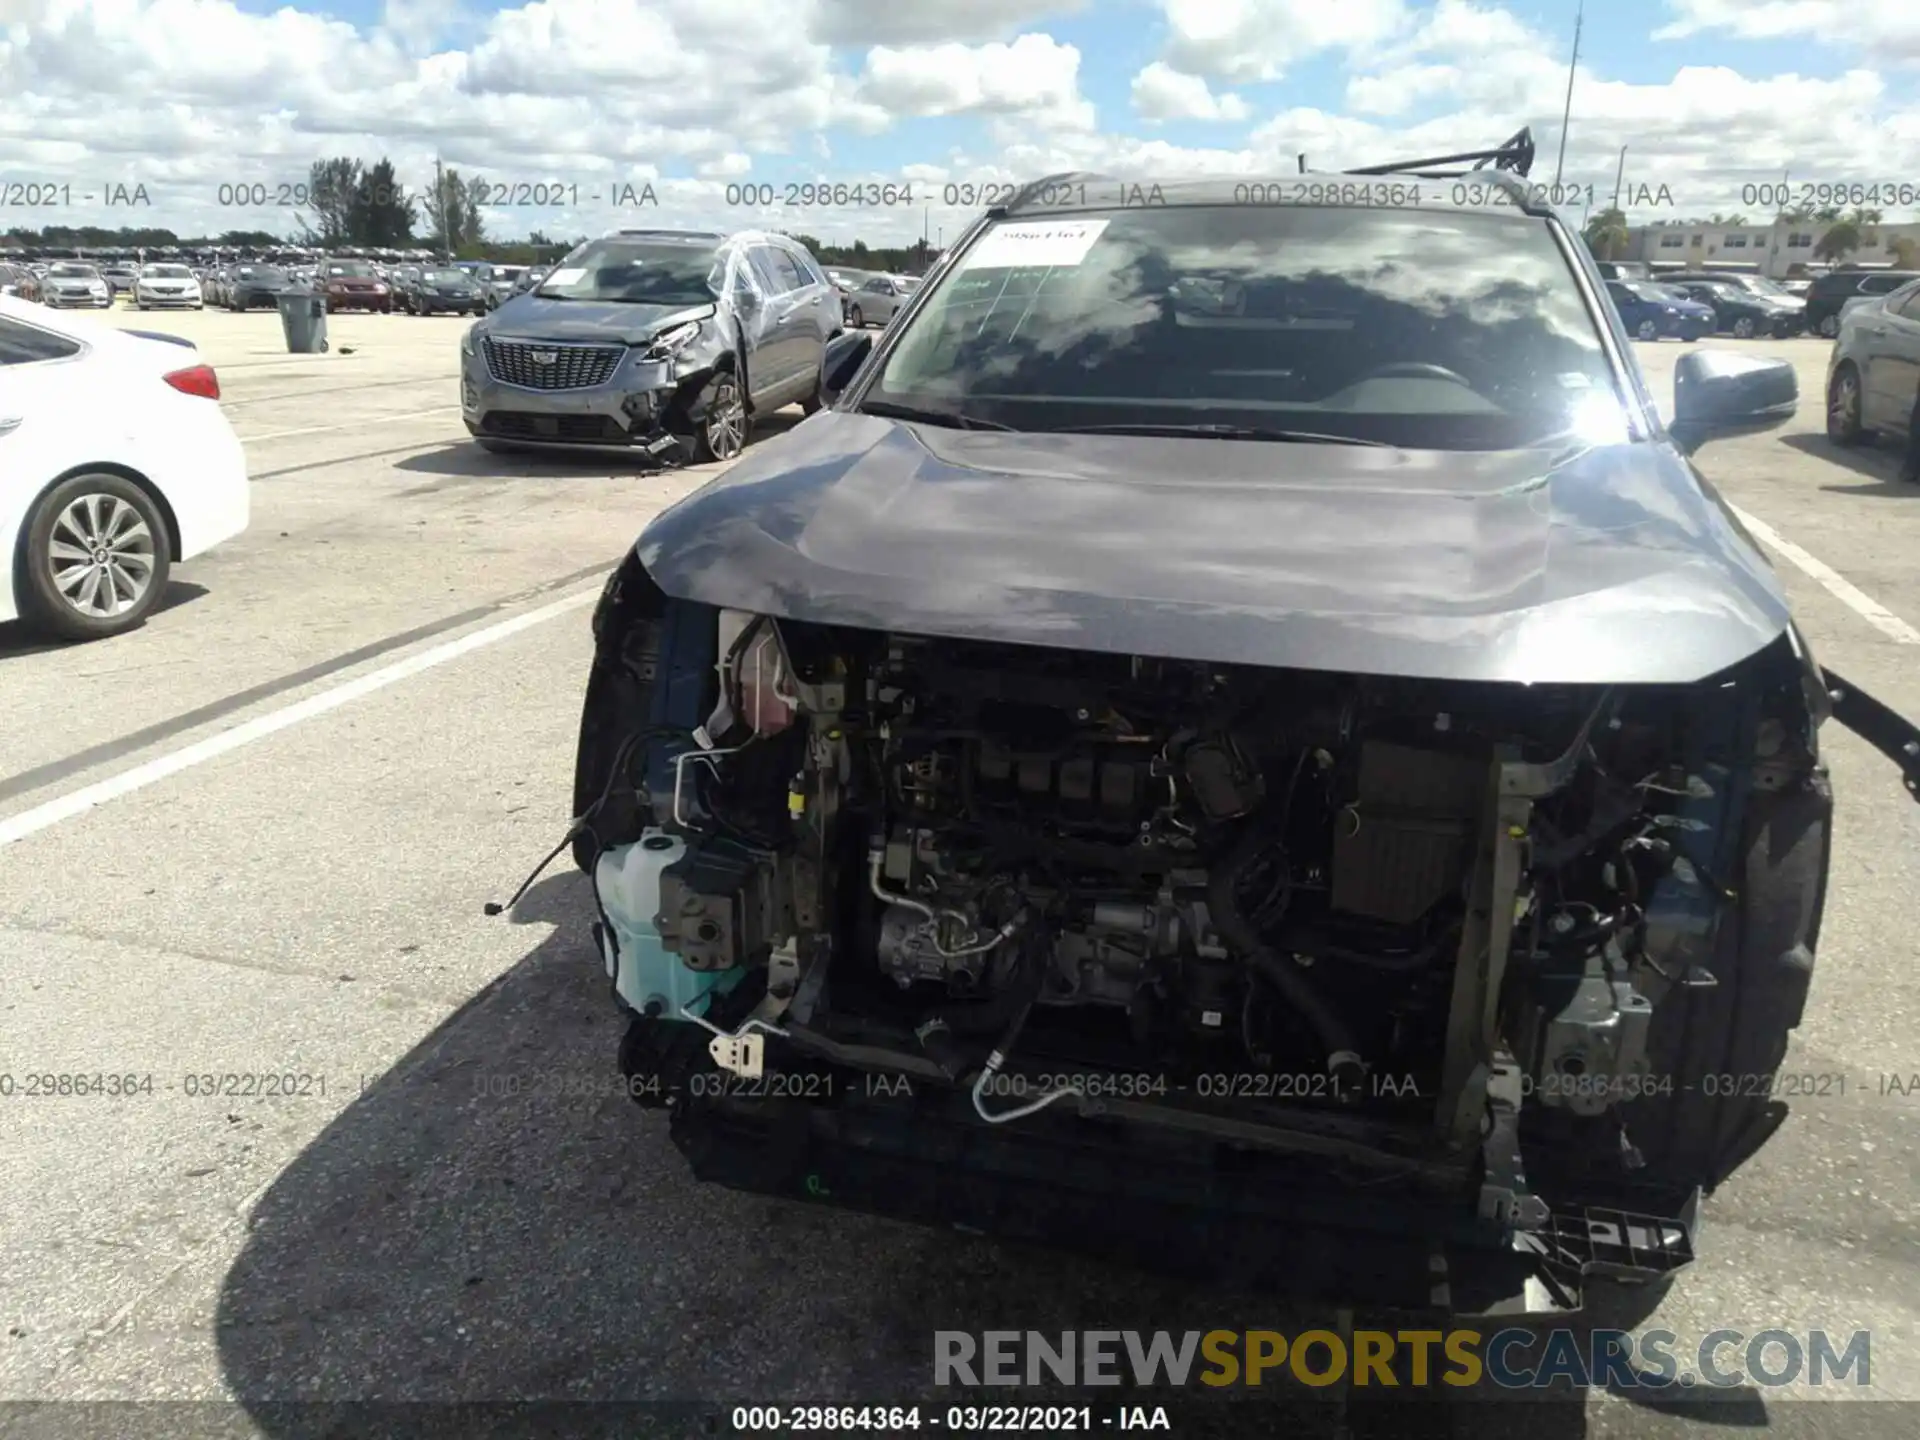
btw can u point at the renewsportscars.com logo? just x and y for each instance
(1509, 1359)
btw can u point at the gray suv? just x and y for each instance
(669, 342)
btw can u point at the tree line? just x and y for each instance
(353, 205)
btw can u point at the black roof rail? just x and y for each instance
(1046, 183)
(1514, 154)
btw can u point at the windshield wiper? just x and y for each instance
(953, 418)
(1211, 431)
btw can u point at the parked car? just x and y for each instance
(1790, 310)
(1654, 312)
(116, 462)
(1012, 718)
(532, 278)
(670, 341)
(1626, 269)
(353, 285)
(167, 287)
(846, 281)
(502, 283)
(252, 287)
(1741, 313)
(120, 277)
(442, 292)
(1873, 373)
(71, 283)
(878, 298)
(1829, 292)
(20, 282)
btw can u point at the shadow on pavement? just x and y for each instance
(491, 1225)
(1879, 464)
(17, 639)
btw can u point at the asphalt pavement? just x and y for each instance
(253, 839)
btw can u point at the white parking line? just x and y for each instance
(1835, 584)
(355, 425)
(41, 817)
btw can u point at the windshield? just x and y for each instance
(1768, 287)
(264, 273)
(166, 272)
(639, 272)
(448, 277)
(357, 268)
(75, 272)
(1432, 330)
(908, 283)
(1652, 294)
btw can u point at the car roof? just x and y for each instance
(1488, 192)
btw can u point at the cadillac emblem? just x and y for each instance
(545, 357)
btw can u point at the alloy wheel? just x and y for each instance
(1743, 328)
(726, 423)
(1843, 406)
(1648, 330)
(101, 556)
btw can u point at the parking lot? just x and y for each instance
(404, 631)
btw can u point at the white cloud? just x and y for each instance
(186, 95)
(1889, 28)
(1035, 76)
(903, 22)
(1162, 93)
(1241, 40)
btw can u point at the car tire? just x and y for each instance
(109, 515)
(1743, 328)
(856, 319)
(724, 425)
(1646, 330)
(1843, 407)
(1714, 1042)
(1830, 326)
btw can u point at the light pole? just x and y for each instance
(1567, 112)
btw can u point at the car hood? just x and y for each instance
(1614, 564)
(530, 316)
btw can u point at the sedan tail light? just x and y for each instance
(196, 380)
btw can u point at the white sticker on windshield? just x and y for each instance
(1042, 243)
(566, 277)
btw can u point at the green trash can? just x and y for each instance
(303, 316)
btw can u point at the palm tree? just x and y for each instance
(1605, 233)
(1842, 239)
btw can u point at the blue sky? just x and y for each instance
(967, 89)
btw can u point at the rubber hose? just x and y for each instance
(1223, 909)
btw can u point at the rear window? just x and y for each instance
(1425, 329)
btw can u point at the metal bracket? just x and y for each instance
(1892, 734)
(741, 1055)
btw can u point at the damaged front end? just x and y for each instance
(1402, 991)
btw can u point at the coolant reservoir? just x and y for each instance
(647, 976)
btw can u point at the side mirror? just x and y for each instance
(747, 302)
(846, 353)
(1717, 393)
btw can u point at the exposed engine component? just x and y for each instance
(1161, 865)
(719, 907)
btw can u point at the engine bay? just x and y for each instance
(1201, 891)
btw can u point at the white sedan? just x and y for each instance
(115, 462)
(167, 286)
